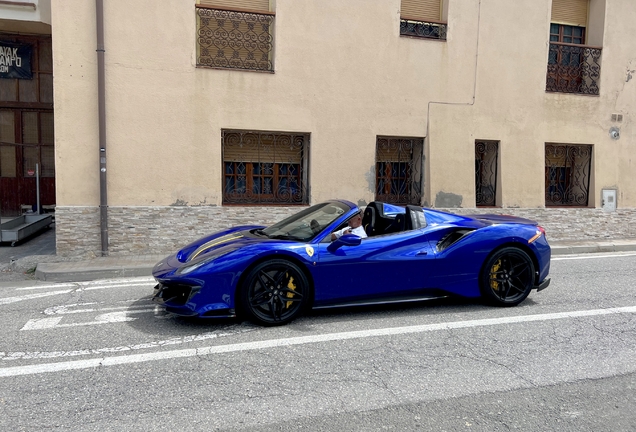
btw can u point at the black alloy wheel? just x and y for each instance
(275, 292)
(507, 277)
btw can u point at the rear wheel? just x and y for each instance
(507, 277)
(275, 292)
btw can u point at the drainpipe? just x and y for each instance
(101, 103)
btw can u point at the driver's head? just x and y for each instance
(356, 221)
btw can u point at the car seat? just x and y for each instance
(397, 225)
(414, 218)
(381, 221)
(368, 221)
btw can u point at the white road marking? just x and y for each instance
(72, 288)
(66, 309)
(278, 343)
(105, 318)
(595, 256)
(107, 283)
(157, 344)
(40, 287)
(9, 300)
(43, 323)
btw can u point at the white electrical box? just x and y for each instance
(609, 200)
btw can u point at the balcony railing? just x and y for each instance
(424, 29)
(234, 39)
(573, 68)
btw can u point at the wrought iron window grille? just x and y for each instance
(234, 39)
(573, 68)
(399, 170)
(567, 175)
(486, 156)
(427, 29)
(265, 167)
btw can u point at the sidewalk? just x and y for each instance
(129, 266)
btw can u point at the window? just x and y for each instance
(398, 170)
(573, 67)
(235, 34)
(37, 139)
(422, 18)
(265, 167)
(567, 174)
(486, 157)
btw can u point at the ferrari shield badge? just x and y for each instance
(309, 250)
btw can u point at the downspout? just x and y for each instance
(471, 103)
(101, 103)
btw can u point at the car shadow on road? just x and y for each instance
(169, 325)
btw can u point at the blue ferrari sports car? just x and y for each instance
(271, 275)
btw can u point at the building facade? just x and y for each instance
(222, 112)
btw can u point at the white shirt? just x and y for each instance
(359, 231)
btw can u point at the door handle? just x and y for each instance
(422, 252)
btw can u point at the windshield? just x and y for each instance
(307, 224)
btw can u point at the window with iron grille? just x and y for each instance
(573, 67)
(567, 174)
(422, 18)
(398, 170)
(231, 36)
(486, 159)
(265, 167)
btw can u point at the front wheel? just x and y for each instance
(507, 277)
(275, 292)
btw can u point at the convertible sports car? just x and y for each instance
(273, 274)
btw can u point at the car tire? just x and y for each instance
(275, 292)
(507, 277)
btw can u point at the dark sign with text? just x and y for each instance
(15, 60)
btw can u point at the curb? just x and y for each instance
(593, 248)
(48, 272)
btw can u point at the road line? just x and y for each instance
(302, 340)
(156, 344)
(9, 300)
(593, 257)
(108, 283)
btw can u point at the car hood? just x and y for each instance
(220, 243)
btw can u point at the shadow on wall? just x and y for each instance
(448, 200)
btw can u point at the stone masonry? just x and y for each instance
(156, 230)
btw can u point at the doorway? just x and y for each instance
(26, 127)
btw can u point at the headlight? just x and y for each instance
(192, 266)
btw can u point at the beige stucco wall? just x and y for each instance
(344, 75)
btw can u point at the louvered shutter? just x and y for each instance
(255, 5)
(421, 10)
(570, 12)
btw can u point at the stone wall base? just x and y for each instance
(157, 230)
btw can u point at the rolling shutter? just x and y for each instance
(255, 5)
(265, 148)
(570, 12)
(421, 9)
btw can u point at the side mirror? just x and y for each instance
(345, 240)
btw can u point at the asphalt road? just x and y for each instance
(98, 356)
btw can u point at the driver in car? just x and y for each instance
(354, 227)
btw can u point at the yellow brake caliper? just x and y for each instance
(292, 286)
(495, 268)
